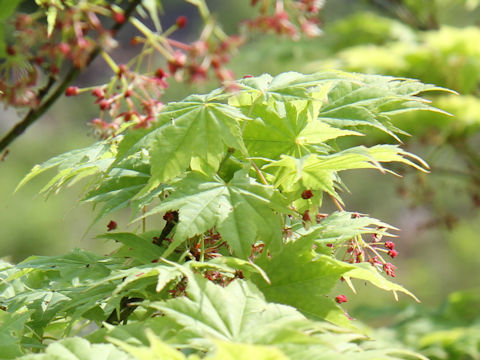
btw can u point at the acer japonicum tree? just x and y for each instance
(242, 259)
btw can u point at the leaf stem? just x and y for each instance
(229, 153)
(337, 203)
(259, 172)
(202, 249)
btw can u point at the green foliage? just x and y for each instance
(244, 263)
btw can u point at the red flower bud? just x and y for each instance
(38, 60)
(10, 50)
(393, 253)
(307, 194)
(341, 299)
(122, 69)
(160, 73)
(64, 48)
(389, 245)
(135, 40)
(104, 104)
(306, 216)
(112, 225)
(119, 17)
(54, 69)
(99, 93)
(181, 22)
(71, 91)
(389, 269)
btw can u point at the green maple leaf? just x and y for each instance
(121, 185)
(237, 313)
(77, 348)
(192, 133)
(370, 100)
(305, 282)
(241, 210)
(292, 129)
(319, 172)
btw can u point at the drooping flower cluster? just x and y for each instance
(290, 18)
(38, 50)
(358, 250)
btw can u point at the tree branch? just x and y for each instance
(45, 104)
(399, 10)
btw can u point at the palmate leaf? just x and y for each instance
(192, 133)
(118, 189)
(305, 282)
(308, 279)
(371, 100)
(340, 226)
(290, 85)
(74, 165)
(364, 271)
(289, 130)
(12, 327)
(318, 172)
(241, 210)
(138, 247)
(237, 312)
(158, 350)
(210, 315)
(79, 349)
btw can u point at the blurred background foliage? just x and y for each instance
(436, 41)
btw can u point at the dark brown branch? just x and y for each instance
(126, 309)
(45, 104)
(399, 10)
(171, 219)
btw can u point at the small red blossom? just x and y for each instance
(112, 225)
(119, 17)
(306, 216)
(389, 269)
(135, 40)
(178, 61)
(341, 299)
(307, 194)
(98, 92)
(181, 22)
(54, 69)
(389, 245)
(122, 69)
(170, 216)
(11, 51)
(71, 91)
(393, 253)
(105, 104)
(160, 73)
(64, 48)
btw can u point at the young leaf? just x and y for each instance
(79, 349)
(305, 282)
(291, 129)
(232, 313)
(241, 210)
(76, 163)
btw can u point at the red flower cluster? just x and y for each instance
(34, 51)
(293, 18)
